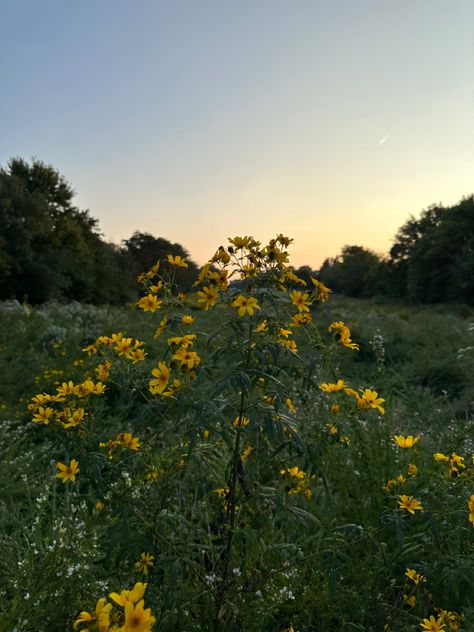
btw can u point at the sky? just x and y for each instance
(194, 120)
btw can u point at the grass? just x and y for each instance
(332, 560)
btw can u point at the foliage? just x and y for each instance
(236, 457)
(50, 249)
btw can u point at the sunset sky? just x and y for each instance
(328, 121)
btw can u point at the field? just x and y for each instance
(263, 492)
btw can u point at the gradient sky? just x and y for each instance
(330, 121)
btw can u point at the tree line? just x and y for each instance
(431, 260)
(50, 249)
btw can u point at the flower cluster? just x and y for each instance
(296, 481)
(133, 616)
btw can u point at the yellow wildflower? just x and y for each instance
(241, 421)
(177, 262)
(130, 441)
(162, 376)
(149, 303)
(330, 387)
(182, 341)
(410, 504)
(129, 596)
(433, 625)
(75, 418)
(101, 616)
(208, 295)
(415, 577)
(405, 442)
(187, 319)
(470, 506)
(187, 359)
(367, 400)
(43, 415)
(323, 291)
(161, 327)
(103, 370)
(262, 328)
(67, 472)
(300, 300)
(343, 335)
(144, 563)
(410, 600)
(412, 469)
(245, 305)
(246, 453)
(301, 318)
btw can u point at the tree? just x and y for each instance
(357, 272)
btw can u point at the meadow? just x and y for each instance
(256, 456)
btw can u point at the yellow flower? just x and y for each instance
(290, 406)
(103, 370)
(243, 242)
(246, 453)
(409, 600)
(130, 441)
(335, 408)
(414, 576)
(330, 387)
(439, 456)
(410, 504)
(208, 295)
(368, 399)
(182, 341)
(137, 619)
(155, 288)
(343, 335)
(412, 469)
(300, 301)
(144, 563)
(323, 291)
(405, 442)
(66, 388)
(289, 344)
(75, 418)
(241, 421)
(262, 328)
(129, 596)
(187, 359)
(149, 303)
(161, 327)
(470, 506)
(162, 376)
(136, 355)
(177, 262)
(101, 616)
(67, 472)
(245, 305)
(187, 319)
(43, 415)
(301, 318)
(433, 625)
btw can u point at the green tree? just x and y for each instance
(49, 249)
(357, 271)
